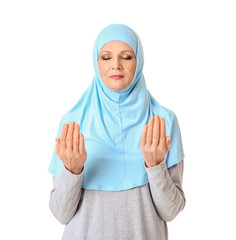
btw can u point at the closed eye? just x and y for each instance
(128, 58)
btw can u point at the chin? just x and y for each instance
(119, 88)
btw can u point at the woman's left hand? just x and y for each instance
(154, 144)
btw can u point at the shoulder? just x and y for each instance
(167, 113)
(161, 110)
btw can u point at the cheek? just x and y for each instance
(103, 68)
(132, 68)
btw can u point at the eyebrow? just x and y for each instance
(121, 51)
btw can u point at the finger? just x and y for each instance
(143, 136)
(163, 132)
(156, 131)
(76, 139)
(150, 131)
(57, 146)
(81, 144)
(168, 142)
(63, 137)
(69, 137)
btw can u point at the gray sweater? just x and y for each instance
(139, 213)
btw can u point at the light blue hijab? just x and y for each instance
(112, 123)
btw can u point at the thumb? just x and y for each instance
(58, 145)
(168, 142)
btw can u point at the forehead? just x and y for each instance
(116, 46)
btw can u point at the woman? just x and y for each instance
(122, 177)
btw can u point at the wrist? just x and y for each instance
(76, 172)
(148, 165)
(79, 171)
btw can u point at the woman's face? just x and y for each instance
(116, 58)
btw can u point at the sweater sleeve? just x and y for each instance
(65, 195)
(166, 189)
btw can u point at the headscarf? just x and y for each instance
(112, 123)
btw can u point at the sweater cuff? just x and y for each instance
(156, 171)
(68, 180)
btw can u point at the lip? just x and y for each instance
(116, 76)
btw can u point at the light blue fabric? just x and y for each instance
(112, 123)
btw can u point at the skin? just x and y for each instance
(71, 148)
(154, 144)
(116, 58)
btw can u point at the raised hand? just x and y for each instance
(71, 148)
(154, 144)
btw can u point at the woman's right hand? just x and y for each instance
(71, 148)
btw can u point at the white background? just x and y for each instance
(190, 68)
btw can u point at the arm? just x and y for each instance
(65, 195)
(166, 189)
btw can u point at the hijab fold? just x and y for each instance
(112, 123)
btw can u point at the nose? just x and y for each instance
(116, 63)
